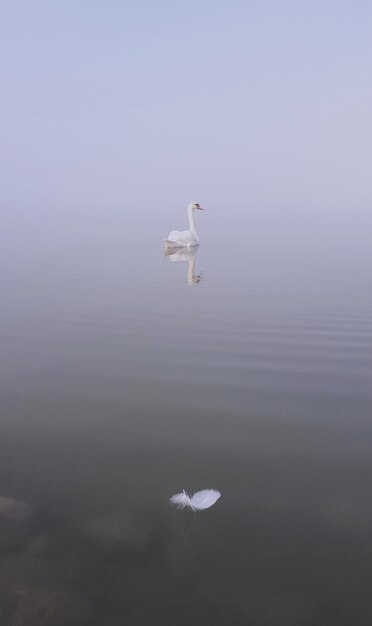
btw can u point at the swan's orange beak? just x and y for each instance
(199, 207)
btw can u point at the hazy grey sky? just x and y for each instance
(256, 105)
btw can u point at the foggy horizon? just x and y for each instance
(253, 108)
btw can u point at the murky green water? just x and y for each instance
(126, 377)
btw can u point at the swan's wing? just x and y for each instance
(182, 237)
(174, 235)
(181, 500)
(188, 236)
(204, 499)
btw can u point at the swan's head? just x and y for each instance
(195, 205)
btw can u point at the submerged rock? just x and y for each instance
(38, 607)
(14, 510)
(38, 545)
(124, 531)
(15, 523)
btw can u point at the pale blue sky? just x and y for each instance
(263, 106)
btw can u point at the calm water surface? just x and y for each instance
(127, 376)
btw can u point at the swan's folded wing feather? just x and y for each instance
(187, 236)
(184, 237)
(204, 499)
(174, 235)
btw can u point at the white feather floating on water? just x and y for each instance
(200, 501)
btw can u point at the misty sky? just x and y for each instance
(257, 105)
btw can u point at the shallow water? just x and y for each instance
(126, 377)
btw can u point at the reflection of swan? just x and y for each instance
(184, 238)
(188, 256)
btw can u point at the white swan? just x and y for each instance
(184, 238)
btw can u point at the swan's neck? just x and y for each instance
(191, 221)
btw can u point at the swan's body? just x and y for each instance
(184, 238)
(181, 239)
